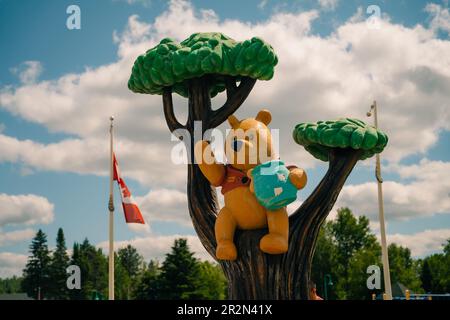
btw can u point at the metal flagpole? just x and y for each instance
(111, 216)
(384, 250)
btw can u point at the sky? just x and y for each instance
(58, 88)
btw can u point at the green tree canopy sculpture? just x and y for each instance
(319, 138)
(199, 68)
(171, 63)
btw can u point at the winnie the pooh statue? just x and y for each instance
(248, 146)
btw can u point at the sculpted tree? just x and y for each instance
(199, 68)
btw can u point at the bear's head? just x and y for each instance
(249, 142)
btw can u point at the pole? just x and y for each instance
(384, 250)
(111, 215)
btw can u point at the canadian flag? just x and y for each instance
(130, 208)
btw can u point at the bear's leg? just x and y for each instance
(224, 229)
(276, 241)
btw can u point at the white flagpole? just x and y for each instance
(384, 249)
(111, 216)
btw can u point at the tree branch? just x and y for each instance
(230, 85)
(235, 98)
(305, 222)
(169, 114)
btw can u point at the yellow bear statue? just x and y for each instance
(248, 144)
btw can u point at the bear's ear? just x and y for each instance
(264, 116)
(234, 122)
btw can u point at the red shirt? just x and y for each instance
(233, 178)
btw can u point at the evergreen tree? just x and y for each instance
(148, 285)
(94, 270)
(179, 273)
(58, 266)
(76, 294)
(121, 280)
(36, 277)
(130, 261)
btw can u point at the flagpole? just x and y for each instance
(384, 248)
(111, 215)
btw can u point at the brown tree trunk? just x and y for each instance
(202, 199)
(256, 275)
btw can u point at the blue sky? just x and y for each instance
(53, 131)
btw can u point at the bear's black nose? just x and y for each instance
(236, 145)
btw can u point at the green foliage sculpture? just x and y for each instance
(199, 68)
(321, 137)
(172, 64)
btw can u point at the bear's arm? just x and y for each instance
(213, 171)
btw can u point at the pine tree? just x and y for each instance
(130, 261)
(58, 266)
(94, 270)
(36, 282)
(149, 282)
(179, 273)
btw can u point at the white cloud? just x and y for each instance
(25, 209)
(294, 206)
(422, 243)
(425, 195)
(140, 228)
(11, 264)
(138, 160)
(406, 69)
(7, 238)
(28, 72)
(328, 4)
(157, 246)
(165, 205)
(440, 17)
